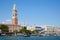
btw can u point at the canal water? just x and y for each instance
(30, 38)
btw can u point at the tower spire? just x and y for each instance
(14, 7)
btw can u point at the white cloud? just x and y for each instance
(3, 22)
(8, 20)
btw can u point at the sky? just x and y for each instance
(30, 12)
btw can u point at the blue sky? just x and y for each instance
(40, 12)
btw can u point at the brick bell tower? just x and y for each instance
(14, 15)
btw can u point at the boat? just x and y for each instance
(26, 35)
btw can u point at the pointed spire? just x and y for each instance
(14, 7)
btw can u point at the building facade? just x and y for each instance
(32, 28)
(51, 30)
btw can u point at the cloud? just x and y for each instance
(8, 20)
(3, 22)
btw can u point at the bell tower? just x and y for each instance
(14, 15)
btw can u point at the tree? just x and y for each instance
(34, 31)
(28, 32)
(23, 30)
(4, 28)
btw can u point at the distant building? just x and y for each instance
(31, 28)
(51, 30)
(57, 31)
(38, 28)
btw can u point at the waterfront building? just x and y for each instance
(14, 26)
(57, 31)
(34, 27)
(51, 30)
(31, 28)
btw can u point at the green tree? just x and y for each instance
(23, 30)
(28, 31)
(4, 28)
(34, 31)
